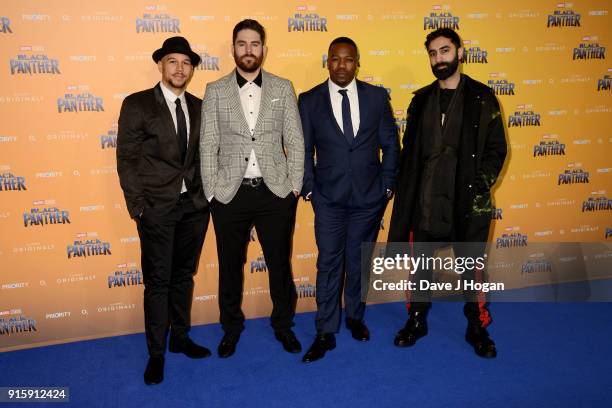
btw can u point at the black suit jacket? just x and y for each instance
(148, 156)
(481, 156)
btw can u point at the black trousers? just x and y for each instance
(470, 242)
(274, 218)
(171, 243)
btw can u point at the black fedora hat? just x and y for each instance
(178, 45)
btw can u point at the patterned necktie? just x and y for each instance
(181, 129)
(347, 122)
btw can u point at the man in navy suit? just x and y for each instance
(346, 124)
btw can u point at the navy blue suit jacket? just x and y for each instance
(349, 174)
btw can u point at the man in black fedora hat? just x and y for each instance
(158, 162)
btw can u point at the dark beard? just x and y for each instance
(448, 68)
(254, 66)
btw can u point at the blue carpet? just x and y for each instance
(550, 354)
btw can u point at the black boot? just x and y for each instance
(154, 373)
(415, 328)
(479, 338)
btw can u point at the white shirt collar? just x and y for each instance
(351, 87)
(170, 96)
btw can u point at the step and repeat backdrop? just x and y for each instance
(69, 253)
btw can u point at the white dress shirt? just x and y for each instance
(250, 99)
(336, 102)
(170, 98)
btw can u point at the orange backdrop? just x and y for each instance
(66, 67)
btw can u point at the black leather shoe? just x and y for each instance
(322, 344)
(480, 340)
(415, 328)
(227, 347)
(188, 347)
(290, 343)
(358, 329)
(154, 373)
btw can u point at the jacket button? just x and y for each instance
(473, 155)
(252, 139)
(246, 159)
(469, 186)
(475, 126)
(350, 150)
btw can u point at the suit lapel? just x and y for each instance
(266, 99)
(231, 90)
(169, 132)
(330, 111)
(363, 111)
(194, 130)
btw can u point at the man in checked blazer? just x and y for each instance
(252, 157)
(159, 170)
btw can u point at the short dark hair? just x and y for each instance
(249, 24)
(343, 40)
(446, 33)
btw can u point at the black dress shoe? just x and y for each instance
(358, 329)
(188, 347)
(227, 347)
(415, 328)
(322, 344)
(290, 343)
(154, 373)
(480, 340)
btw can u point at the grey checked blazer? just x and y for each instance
(226, 143)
